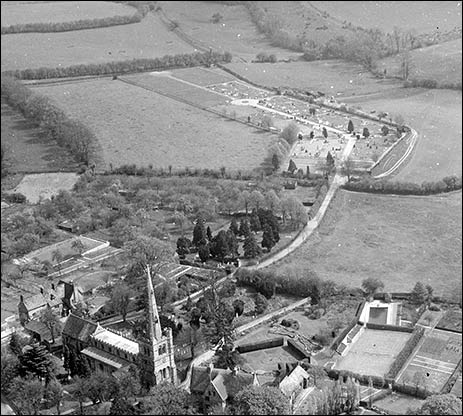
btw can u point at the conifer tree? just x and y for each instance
(250, 247)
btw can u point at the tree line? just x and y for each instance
(143, 8)
(68, 133)
(384, 186)
(123, 67)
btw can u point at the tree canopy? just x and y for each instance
(261, 400)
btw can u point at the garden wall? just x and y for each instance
(261, 345)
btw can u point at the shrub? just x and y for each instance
(16, 198)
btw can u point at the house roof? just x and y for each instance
(105, 357)
(225, 382)
(292, 381)
(115, 340)
(35, 302)
(39, 328)
(79, 328)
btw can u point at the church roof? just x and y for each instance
(115, 340)
(79, 328)
(105, 357)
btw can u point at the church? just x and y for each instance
(111, 352)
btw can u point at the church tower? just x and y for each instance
(161, 348)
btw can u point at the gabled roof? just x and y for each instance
(79, 328)
(35, 302)
(292, 381)
(225, 382)
(115, 340)
(39, 328)
(105, 357)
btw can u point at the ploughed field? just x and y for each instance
(399, 240)
(14, 13)
(148, 39)
(135, 125)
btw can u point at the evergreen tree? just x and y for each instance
(245, 229)
(121, 406)
(329, 161)
(261, 303)
(292, 166)
(350, 127)
(36, 361)
(204, 252)
(238, 306)
(419, 294)
(232, 244)
(209, 234)
(325, 132)
(199, 233)
(254, 222)
(251, 248)
(234, 226)
(268, 239)
(183, 246)
(16, 344)
(275, 162)
(220, 247)
(366, 132)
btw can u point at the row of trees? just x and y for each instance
(384, 186)
(69, 133)
(123, 67)
(44, 27)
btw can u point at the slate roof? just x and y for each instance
(225, 382)
(105, 357)
(39, 328)
(292, 381)
(79, 328)
(115, 340)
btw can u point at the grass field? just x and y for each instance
(434, 361)
(60, 11)
(27, 148)
(333, 77)
(147, 39)
(235, 33)
(440, 62)
(436, 116)
(421, 16)
(399, 240)
(134, 125)
(398, 404)
(373, 353)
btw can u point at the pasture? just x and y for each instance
(440, 62)
(436, 116)
(332, 77)
(373, 353)
(434, 361)
(420, 16)
(147, 39)
(134, 125)
(397, 239)
(60, 11)
(27, 147)
(235, 33)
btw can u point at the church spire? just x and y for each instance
(155, 324)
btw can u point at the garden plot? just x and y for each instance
(434, 361)
(373, 353)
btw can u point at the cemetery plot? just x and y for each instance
(202, 76)
(434, 362)
(239, 91)
(374, 352)
(176, 89)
